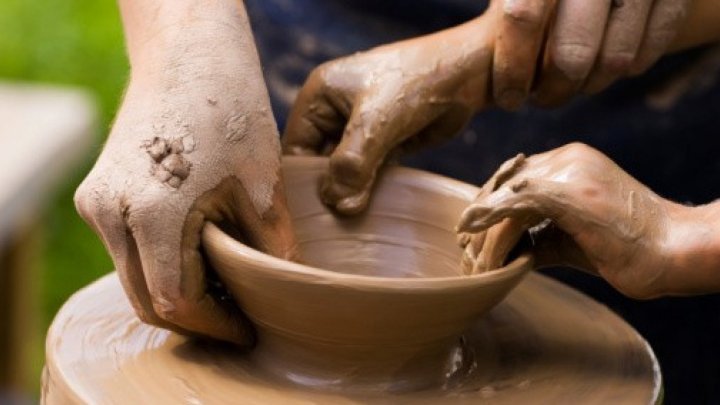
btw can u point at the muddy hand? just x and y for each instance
(365, 107)
(584, 212)
(193, 142)
(362, 108)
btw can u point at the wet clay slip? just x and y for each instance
(543, 344)
(385, 306)
(380, 312)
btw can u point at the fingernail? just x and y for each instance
(511, 99)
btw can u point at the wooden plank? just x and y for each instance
(44, 132)
(19, 309)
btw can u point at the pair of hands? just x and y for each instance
(369, 106)
(195, 140)
(365, 108)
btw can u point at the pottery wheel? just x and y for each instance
(545, 343)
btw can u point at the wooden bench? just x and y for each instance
(44, 133)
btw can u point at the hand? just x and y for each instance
(194, 141)
(589, 45)
(590, 214)
(367, 106)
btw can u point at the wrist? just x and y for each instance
(168, 31)
(692, 249)
(475, 47)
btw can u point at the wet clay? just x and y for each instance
(545, 343)
(389, 311)
(402, 325)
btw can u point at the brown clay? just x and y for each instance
(545, 343)
(392, 320)
(390, 310)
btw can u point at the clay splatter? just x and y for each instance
(169, 164)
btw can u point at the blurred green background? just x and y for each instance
(69, 42)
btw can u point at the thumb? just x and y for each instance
(369, 137)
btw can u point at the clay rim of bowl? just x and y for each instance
(237, 254)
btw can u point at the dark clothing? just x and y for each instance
(674, 151)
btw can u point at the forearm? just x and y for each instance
(693, 250)
(176, 41)
(148, 25)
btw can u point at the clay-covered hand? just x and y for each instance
(194, 141)
(364, 107)
(589, 44)
(585, 212)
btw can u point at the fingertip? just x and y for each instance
(463, 222)
(473, 222)
(345, 199)
(511, 99)
(347, 187)
(354, 204)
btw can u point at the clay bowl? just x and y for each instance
(381, 302)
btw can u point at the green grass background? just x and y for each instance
(79, 43)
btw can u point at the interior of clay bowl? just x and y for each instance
(381, 302)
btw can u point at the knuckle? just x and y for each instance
(320, 77)
(528, 13)
(83, 201)
(577, 148)
(577, 152)
(574, 59)
(93, 203)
